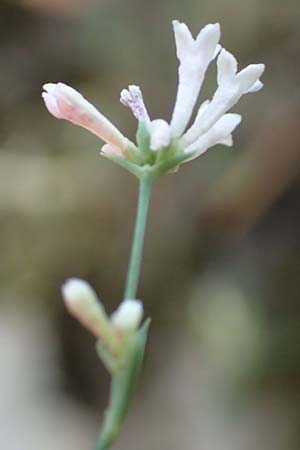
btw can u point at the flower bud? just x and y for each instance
(64, 102)
(160, 134)
(82, 302)
(128, 315)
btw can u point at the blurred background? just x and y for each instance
(221, 274)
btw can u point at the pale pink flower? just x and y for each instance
(64, 102)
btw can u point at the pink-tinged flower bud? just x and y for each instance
(64, 102)
(82, 302)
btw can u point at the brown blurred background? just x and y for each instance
(221, 274)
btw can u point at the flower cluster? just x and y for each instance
(158, 140)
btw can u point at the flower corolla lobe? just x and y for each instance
(194, 56)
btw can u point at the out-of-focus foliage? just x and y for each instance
(221, 277)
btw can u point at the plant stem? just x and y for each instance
(126, 377)
(122, 389)
(134, 268)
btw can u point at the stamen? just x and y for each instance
(133, 99)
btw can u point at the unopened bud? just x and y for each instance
(82, 302)
(64, 102)
(160, 132)
(128, 315)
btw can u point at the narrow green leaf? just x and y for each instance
(111, 363)
(122, 387)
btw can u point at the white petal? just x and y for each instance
(257, 86)
(207, 41)
(187, 93)
(227, 123)
(196, 130)
(247, 77)
(231, 87)
(49, 87)
(224, 98)
(219, 133)
(228, 141)
(160, 134)
(217, 50)
(194, 56)
(183, 38)
(202, 109)
(128, 315)
(227, 67)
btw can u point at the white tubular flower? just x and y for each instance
(127, 316)
(194, 56)
(231, 86)
(220, 133)
(160, 134)
(64, 102)
(133, 99)
(82, 302)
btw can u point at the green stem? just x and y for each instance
(122, 388)
(124, 377)
(134, 268)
